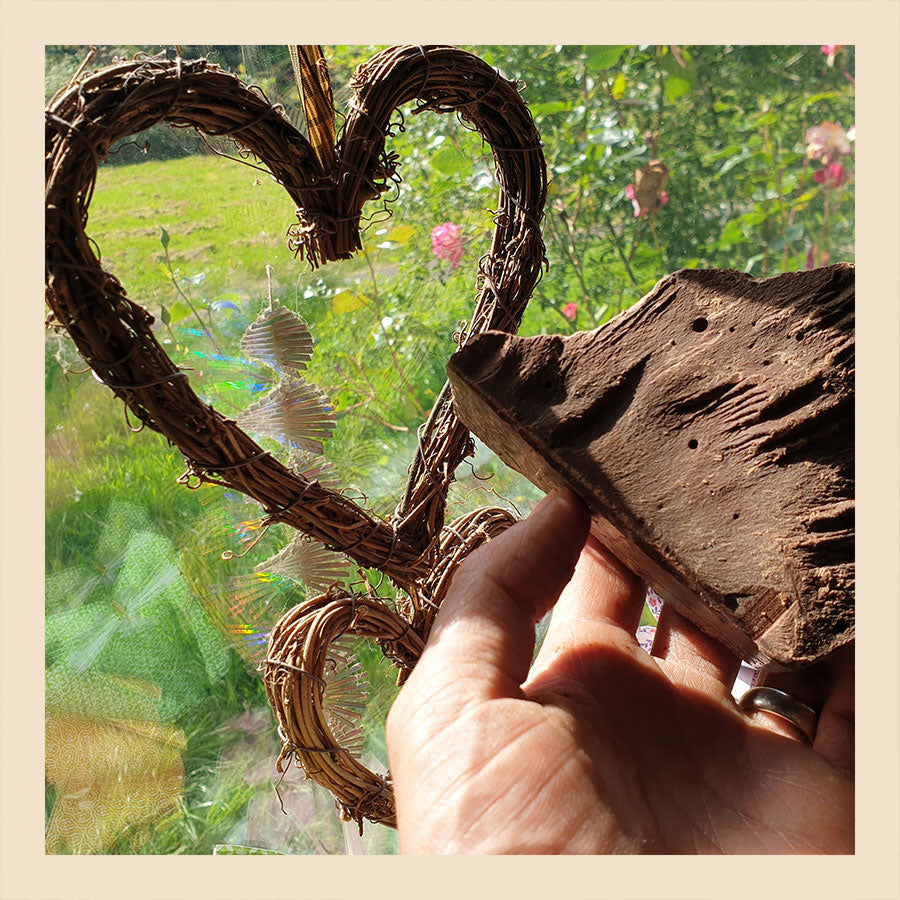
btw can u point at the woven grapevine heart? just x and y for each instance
(412, 548)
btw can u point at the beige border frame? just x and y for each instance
(872, 25)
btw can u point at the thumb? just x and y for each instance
(482, 641)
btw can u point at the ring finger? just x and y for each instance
(691, 658)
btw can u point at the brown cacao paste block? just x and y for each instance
(709, 429)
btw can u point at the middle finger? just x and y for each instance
(692, 658)
(600, 605)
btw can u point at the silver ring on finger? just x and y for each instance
(771, 700)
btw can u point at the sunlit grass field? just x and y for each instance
(215, 210)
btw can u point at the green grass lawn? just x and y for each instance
(224, 219)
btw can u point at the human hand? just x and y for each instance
(598, 747)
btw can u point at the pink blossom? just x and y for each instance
(447, 244)
(833, 176)
(570, 310)
(830, 50)
(828, 142)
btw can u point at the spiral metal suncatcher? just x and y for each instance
(412, 547)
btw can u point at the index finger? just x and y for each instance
(482, 641)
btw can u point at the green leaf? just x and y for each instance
(449, 161)
(164, 315)
(164, 237)
(724, 153)
(745, 154)
(178, 312)
(817, 98)
(754, 218)
(401, 234)
(347, 301)
(605, 57)
(618, 87)
(633, 153)
(733, 232)
(803, 200)
(550, 107)
(676, 87)
(688, 71)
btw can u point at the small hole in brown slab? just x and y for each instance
(700, 324)
(692, 443)
(765, 362)
(735, 515)
(548, 384)
(799, 335)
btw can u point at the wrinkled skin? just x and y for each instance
(598, 747)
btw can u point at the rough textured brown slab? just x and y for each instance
(710, 431)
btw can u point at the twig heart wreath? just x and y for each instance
(330, 186)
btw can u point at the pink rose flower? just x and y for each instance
(570, 310)
(833, 176)
(447, 244)
(828, 142)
